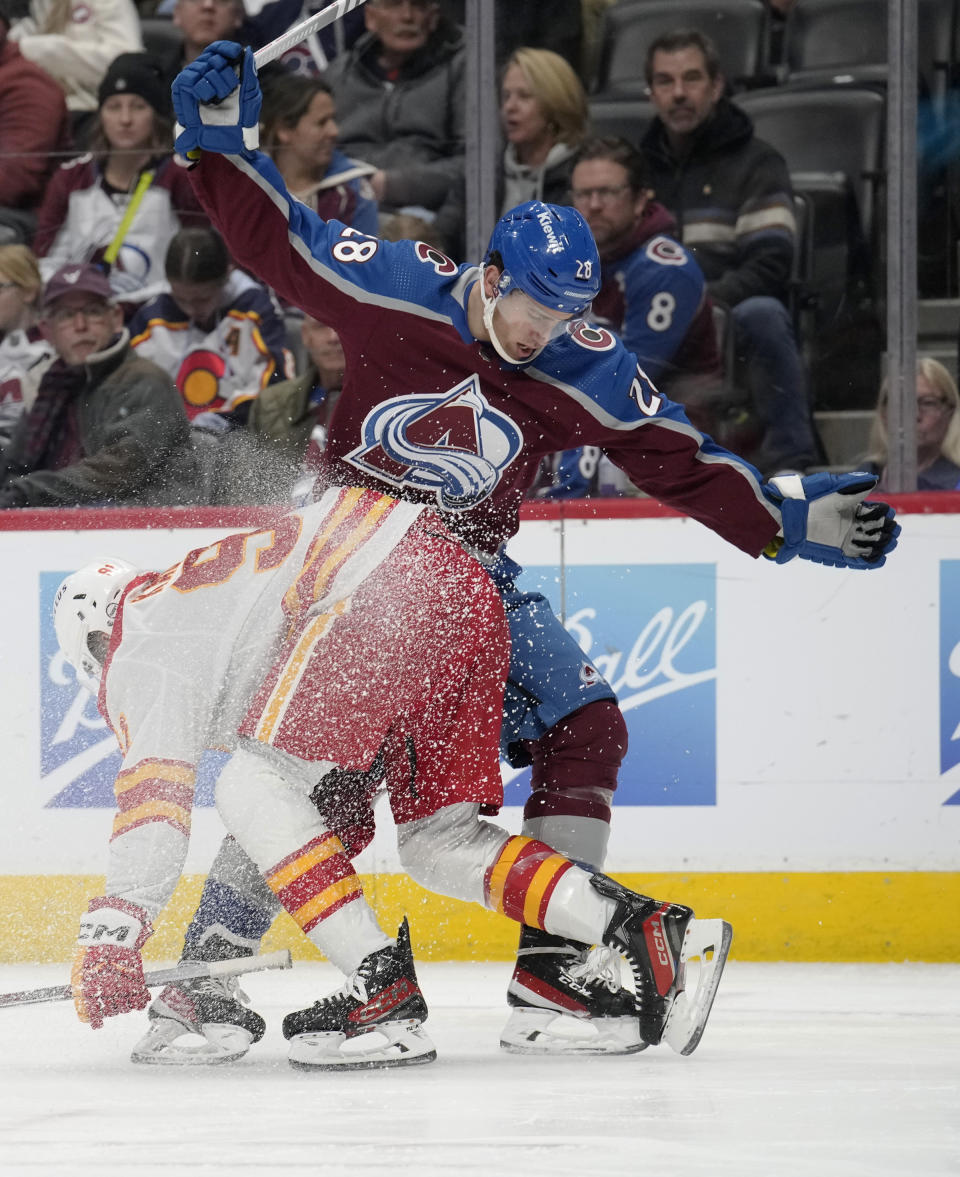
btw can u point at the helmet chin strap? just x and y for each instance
(489, 306)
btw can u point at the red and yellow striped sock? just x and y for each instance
(521, 880)
(315, 881)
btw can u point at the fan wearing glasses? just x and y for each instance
(106, 425)
(937, 429)
(652, 293)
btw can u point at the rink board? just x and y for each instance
(794, 734)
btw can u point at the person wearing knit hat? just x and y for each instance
(135, 73)
(121, 205)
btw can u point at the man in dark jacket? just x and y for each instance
(400, 103)
(732, 197)
(107, 427)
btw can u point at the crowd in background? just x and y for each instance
(139, 365)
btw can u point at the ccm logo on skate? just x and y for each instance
(659, 954)
(394, 995)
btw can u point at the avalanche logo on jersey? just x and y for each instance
(452, 445)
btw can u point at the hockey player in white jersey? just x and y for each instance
(352, 633)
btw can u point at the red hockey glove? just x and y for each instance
(107, 976)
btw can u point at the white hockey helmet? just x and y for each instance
(86, 605)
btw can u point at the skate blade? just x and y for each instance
(160, 1046)
(545, 1031)
(388, 1044)
(706, 941)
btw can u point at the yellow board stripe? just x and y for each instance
(319, 903)
(150, 809)
(502, 868)
(803, 916)
(154, 770)
(293, 870)
(543, 877)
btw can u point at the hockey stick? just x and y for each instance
(303, 29)
(187, 970)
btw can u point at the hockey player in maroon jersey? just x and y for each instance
(460, 379)
(353, 629)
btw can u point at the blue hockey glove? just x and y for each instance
(217, 107)
(825, 519)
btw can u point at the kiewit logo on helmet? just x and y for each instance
(554, 244)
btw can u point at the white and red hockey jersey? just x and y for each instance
(192, 645)
(80, 216)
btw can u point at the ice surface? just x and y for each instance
(834, 1070)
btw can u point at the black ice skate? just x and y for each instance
(210, 1009)
(567, 998)
(658, 940)
(375, 1020)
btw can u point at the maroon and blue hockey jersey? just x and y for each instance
(429, 413)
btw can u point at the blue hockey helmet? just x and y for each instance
(548, 252)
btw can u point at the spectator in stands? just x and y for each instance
(557, 25)
(200, 22)
(218, 333)
(84, 215)
(298, 129)
(399, 94)
(34, 130)
(938, 430)
(543, 111)
(653, 294)
(732, 197)
(107, 425)
(75, 44)
(290, 420)
(25, 353)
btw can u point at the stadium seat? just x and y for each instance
(831, 131)
(740, 29)
(833, 141)
(829, 251)
(627, 118)
(847, 39)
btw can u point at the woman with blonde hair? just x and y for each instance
(24, 352)
(938, 429)
(544, 115)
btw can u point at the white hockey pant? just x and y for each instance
(264, 802)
